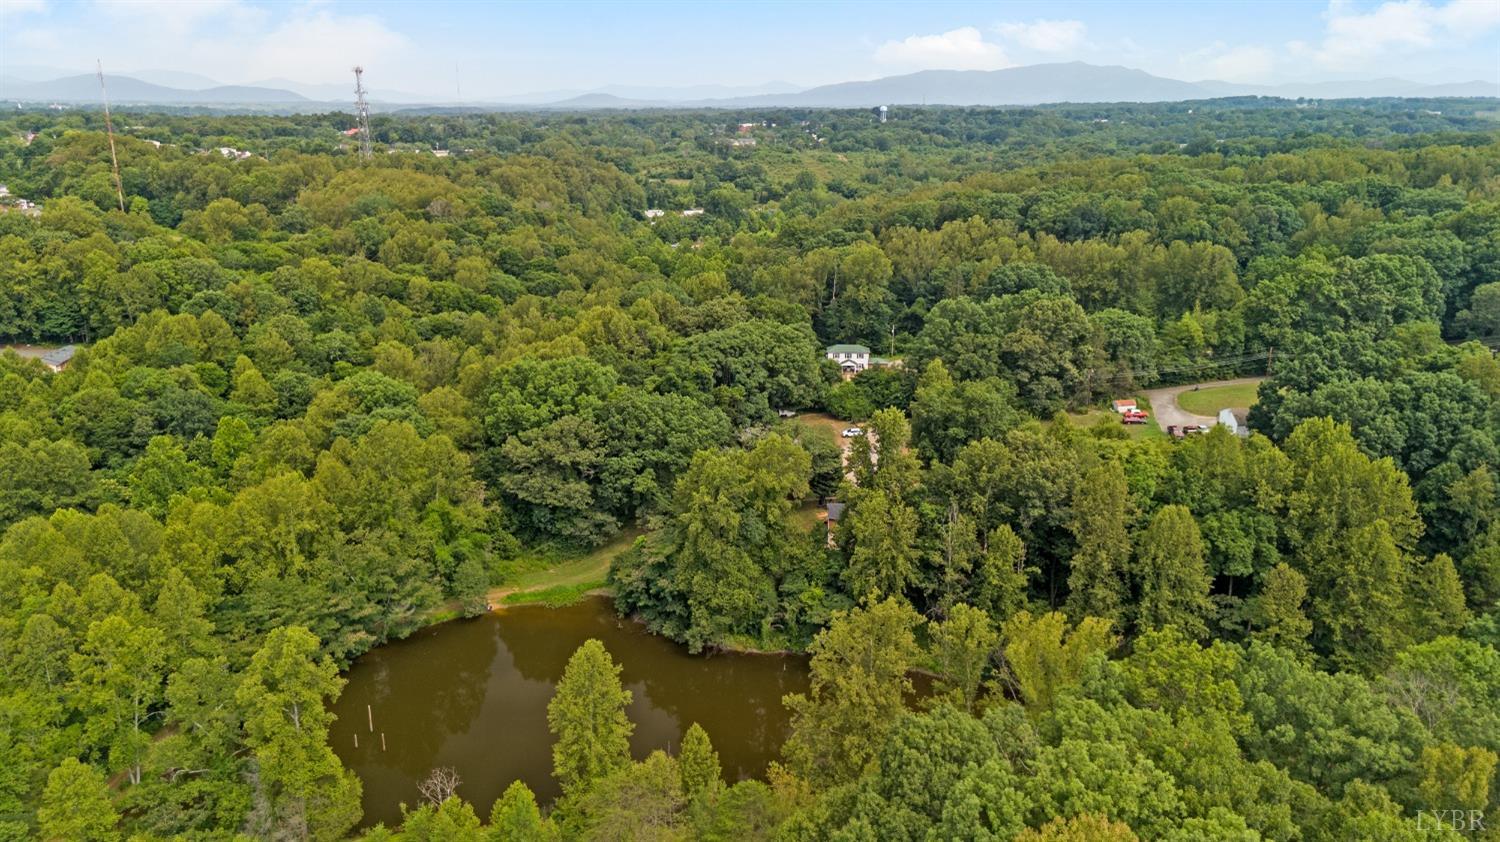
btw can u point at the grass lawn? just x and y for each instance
(1214, 398)
(574, 576)
(1148, 430)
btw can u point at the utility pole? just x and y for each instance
(109, 128)
(362, 112)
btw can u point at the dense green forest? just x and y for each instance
(321, 402)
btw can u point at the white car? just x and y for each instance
(850, 432)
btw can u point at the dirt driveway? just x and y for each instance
(1168, 413)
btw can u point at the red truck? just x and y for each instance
(1133, 416)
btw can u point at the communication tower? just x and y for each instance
(362, 112)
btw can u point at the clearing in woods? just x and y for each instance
(1210, 399)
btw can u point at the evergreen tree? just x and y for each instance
(1096, 582)
(883, 561)
(516, 817)
(1000, 587)
(76, 807)
(1440, 599)
(1276, 614)
(587, 715)
(1174, 581)
(698, 764)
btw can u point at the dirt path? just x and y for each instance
(1168, 413)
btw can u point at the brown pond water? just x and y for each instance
(472, 694)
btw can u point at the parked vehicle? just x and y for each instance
(851, 432)
(1134, 419)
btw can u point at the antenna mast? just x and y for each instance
(362, 112)
(109, 127)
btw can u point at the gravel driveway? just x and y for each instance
(1168, 413)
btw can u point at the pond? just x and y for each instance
(472, 694)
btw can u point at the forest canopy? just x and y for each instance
(320, 402)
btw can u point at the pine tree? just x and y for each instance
(75, 805)
(587, 714)
(884, 559)
(516, 817)
(1003, 574)
(1173, 575)
(1440, 599)
(1096, 584)
(698, 764)
(1276, 614)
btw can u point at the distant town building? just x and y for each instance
(655, 213)
(58, 358)
(852, 359)
(693, 212)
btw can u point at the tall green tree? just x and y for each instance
(302, 789)
(587, 715)
(76, 806)
(699, 765)
(962, 646)
(860, 665)
(1173, 575)
(1096, 582)
(1277, 615)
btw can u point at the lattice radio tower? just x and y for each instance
(362, 110)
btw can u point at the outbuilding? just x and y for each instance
(58, 358)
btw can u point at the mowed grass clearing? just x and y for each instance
(1210, 400)
(1148, 430)
(575, 576)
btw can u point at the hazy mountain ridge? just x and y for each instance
(126, 90)
(1038, 84)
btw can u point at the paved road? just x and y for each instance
(1168, 413)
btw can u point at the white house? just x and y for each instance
(852, 359)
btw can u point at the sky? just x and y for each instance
(475, 49)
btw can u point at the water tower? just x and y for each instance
(882, 112)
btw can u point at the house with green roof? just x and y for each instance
(852, 359)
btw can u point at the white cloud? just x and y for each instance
(322, 46)
(1045, 36)
(233, 41)
(1357, 40)
(9, 8)
(1243, 63)
(959, 49)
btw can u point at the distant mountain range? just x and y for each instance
(1031, 85)
(124, 90)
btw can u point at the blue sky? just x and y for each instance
(510, 48)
